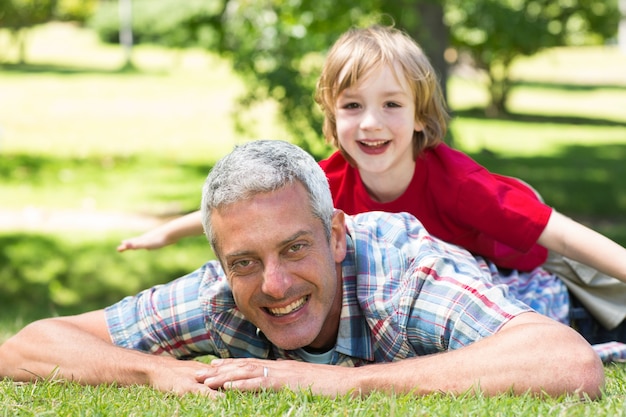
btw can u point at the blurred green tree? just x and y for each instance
(494, 32)
(75, 10)
(278, 46)
(19, 15)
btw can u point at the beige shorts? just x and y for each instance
(603, 296)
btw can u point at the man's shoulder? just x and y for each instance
(378, 228)
(383, 220)
(214, 290)
(400, 237)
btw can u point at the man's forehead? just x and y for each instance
(265, 218)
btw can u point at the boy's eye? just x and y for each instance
(351, 106)
(393, 104)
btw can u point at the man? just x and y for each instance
(401, 310)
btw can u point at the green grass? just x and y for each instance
(65, 399)
(79, 134)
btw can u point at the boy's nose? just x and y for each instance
(371, 120)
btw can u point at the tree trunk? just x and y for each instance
(423, 20)
(434, 36)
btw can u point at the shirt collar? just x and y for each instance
(354, 336)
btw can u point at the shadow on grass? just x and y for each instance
(479, 113)
(71, 70)
(141, 178)
(568, 86)
(26, 166)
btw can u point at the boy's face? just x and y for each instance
(283, 272)
(376, 121)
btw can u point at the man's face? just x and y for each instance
(283, 271)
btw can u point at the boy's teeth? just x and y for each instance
(374, 144)
(288, 309)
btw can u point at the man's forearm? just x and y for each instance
(59, 349)
(544, 357)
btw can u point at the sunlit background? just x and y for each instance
(101, 140)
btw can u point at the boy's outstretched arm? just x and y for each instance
(580, 243)
(166, 234)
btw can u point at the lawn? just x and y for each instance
(76, 134)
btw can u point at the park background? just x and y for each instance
(101, 141)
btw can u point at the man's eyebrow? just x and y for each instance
(280, 244)
(295, 236)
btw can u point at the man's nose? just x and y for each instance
(276, 281)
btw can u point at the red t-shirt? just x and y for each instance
(459, 201)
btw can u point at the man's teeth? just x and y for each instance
(288, 309)
(374, 144)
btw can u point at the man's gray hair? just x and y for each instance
(263, 166)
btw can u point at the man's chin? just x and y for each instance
(288, 341)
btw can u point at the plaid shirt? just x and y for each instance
(405, 293)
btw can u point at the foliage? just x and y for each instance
(278, 46)
(19, 15)
(169, 23)
(75, 10)
(58, 274)
(495, 32)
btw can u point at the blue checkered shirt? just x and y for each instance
(405, 294)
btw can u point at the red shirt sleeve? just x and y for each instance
(491, 215)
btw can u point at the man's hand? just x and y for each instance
(180, 377)
(257, 374)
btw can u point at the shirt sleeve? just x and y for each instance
(167, 319)
(501, 211)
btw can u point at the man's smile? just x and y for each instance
(283, 311)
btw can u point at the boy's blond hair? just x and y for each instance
(360, 51)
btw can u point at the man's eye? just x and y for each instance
(241, 264)
(296, 247)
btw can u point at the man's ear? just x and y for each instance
(338, 236)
